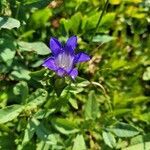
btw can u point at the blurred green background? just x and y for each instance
(106, 107)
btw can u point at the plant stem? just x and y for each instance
(100, 18)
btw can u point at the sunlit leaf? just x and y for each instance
(64, 126)
(43, 133)
(36, 3)
(146, 75)
(124, 130)
(21, 89)
(79, 143)
(109, 139)
(91, 107)
(103, 38)
(141, 142)
(115, 2)
(9, 113)
(7, 50)
(37, 98)
(9, 23)
(73, 103)
(40, 17)
(37, 47)
(29, 132)
(21, 74)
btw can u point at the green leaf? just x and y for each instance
(120, 112)
(38, 47)
(7, 55)
(38, 75)
(140, 139)
(140, 146)
(91, 107)
(123, 130)
(105, 24)
(9, 23)
(40, 17)
(37, 98)
(43, 133)
(81, 82)
(36, 3)
(42, 145)
(92, 21)
(66, 25)
(3, 98)
(21, 89)
(44, 113)
(73, 88)
(115, 2)
(109, 139)
(29, 132)
(7, 50)
(76, 87)
(145, 117)
(75, 22)
(21, 74)
(73, 103)
(9, 113)
(103, 38)
(7, 141)
(64, 126)
(79, 143)
(117, 64)
(141, 142)
(59, 85)
(146, 75)
(108, 19)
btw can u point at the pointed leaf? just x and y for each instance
(21, 89)
(64, 126)
(9, 113)
(37, 98)
(9, 23)
(37, 47)
(91, 107)
(79, 143)
(123, 130)
(109, 139)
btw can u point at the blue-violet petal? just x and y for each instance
(81, 57)
(55, 46)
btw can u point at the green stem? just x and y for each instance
(100, 18)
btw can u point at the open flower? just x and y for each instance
(63, 58)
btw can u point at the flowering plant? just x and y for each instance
(63, 58)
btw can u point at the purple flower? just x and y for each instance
(63, 58)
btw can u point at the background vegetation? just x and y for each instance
(106, 107)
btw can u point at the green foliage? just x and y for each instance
(91, 107)
(79, 143)
(146, 75)
(64, 126)
(9, 23)
(109, 139)
(9, 113)
(106, 106)
(124, 130)
(36, 47)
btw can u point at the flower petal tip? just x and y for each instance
(81, 57)
(73, 73)
(72, 42)
(55, 46)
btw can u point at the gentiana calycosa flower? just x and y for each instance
(64, 59)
